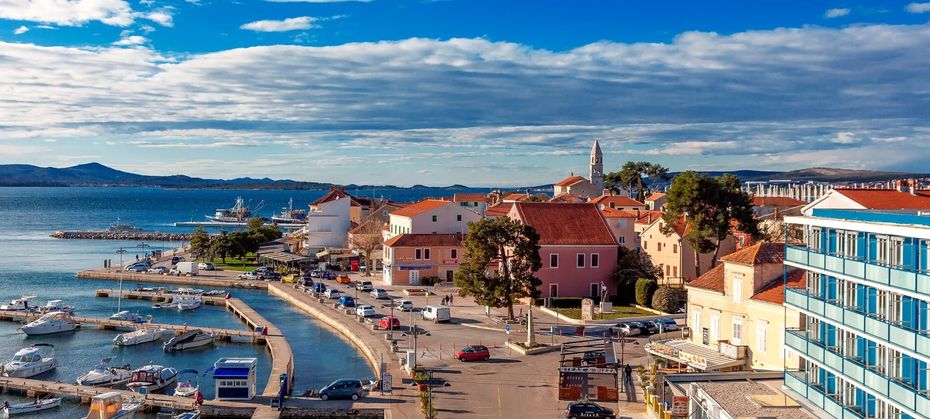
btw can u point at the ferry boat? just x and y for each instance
(32, 361)
(237, 214)
(289, 215)
(105, 375)
(138, 337)
(120, 227)
(110, 406)
(152, 378)
(54, 322)
(19, 304)
(189, 340)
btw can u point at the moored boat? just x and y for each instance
(289, 215)
(35, 406)
(138, 336)
(121, 227)
(188, 340)
(237, 214)
(187, 387)
(55, 322)
(19, 304)
(188, 302)
(105, 375)
(56, 305)
(32, 361)
(152, 378)
(110, 406)
(128, 316)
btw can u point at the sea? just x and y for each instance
(32, 263)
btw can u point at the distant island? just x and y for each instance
(96, 174)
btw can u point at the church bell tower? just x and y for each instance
(596, 172)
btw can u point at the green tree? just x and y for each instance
(200, 243)
(540, 197)
(255, 224)
(645, 288)
(668, 299)
(632, 176)
(515, 249)
(631, 266)
(222, 246)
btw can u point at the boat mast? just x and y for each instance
(119, 299)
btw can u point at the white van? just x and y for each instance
(436, 313)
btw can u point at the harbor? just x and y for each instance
(122, 235)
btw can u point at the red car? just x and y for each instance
(473, 353)
(389, 322)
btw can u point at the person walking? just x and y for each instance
(450, 299)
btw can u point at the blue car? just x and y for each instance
(319, 287)
(346, 301)
(343, 388)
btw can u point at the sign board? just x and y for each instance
(588, 370)
(680, 406)
(728, 350)
(705, 336)
(387, 383)
(413, 267)
(507, 328)
(587, 309)
(450, 261)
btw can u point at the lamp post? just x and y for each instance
(121, 251)
(143, 245)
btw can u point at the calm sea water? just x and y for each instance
(33, 263)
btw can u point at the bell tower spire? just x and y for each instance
(596, 171)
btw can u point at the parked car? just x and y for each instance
(364, 286)
(206, 266)
(158, 270)
(176, 259)
(628, 329)
(270, 276)
(319, 287)
(138, 267)
(403, 305)
(379, 293)
(389, 322)
(343, 279)
(593, 358)
(343, 388)
(324, 274)
(582, 409)
(437, 314)
(666, 324)
(473, 353)
(346, 301)
(365, 310)
(249, 275)
(332, 293)
(648, 328)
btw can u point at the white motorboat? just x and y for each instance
(187, 388)
(105, 375)
(31, 407)
(110, 406)
(289, 215)
(54, 322)
(56, 305)
(31, 361)
(188, 303)
(188, 340)
(189, 291)
(128, 316)
(19, 304)
(139, 336)
(214, 292)
(152, 378)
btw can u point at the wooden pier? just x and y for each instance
(199, 280)
(157, 297)
(282, 358)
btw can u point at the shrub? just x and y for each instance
(667, 299)
(565, 302)
(644, 290)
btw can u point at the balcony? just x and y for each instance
(898, 277)
(853, 371)
(797, 381)
(891, 334)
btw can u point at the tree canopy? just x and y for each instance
(632, 265)
(515, 249)
(632, 176)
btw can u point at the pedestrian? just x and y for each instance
(628, 372)
(450, 299)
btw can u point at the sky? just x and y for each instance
(483, 93)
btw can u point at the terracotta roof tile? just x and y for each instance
(618, 201)
(332, 195)
(514, 196)
(567, 198)
(571, 180)
(615, 213)
(712, 280)
(774, 292)
(418, 240)
(566, 224)
(776, 201)
(470, 197)
(655, 196)
(648, 216)
(498, 210)
(758, 254)
(418, 208)
(888, 199)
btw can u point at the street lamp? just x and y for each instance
(143, 245)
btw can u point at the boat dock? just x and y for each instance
(157, 297)
(282, 358)
(122, 235)
(230, 224)
(200, 281)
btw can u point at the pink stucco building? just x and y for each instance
(578, 250)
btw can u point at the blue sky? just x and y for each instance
(489, 93)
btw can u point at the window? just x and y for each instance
(696, 320)
(426, 254)
(621, 239)
(813, 239)
(715, 326)
(737, 338)
(668, 270)
(454, 253)
(674, 248)
(418, 253)
(737, 289)
(762, 330)
(895, 252)
(595, 260)
(659, 246)
(554, 260)
(595, 289)
(742, 242)
(881, 249)
(645, 245)
(674, 271)
(435, 218)
(553, 290)
(580, 258)
(458, 217)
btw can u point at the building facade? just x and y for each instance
(864, 342)
(328, 224)
(431, 216)
(674, 255)
(410, 259)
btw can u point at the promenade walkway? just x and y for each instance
(215, 279)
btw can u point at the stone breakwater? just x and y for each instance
(113, 235)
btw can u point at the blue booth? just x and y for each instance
(235, 378)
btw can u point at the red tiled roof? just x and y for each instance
(571, 180)
(470, 197)
(566, 224)
(618, 201)
(888, 199)
(498, 210)
(655, 196)
(776, 201)
(332, 195)
(413, 210)
(774, 292)
(712, 280)
(758, 254)
(648, 216)
(615, 213)
(420, 240)
(566, 198)
(513, 196)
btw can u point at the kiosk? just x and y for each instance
(235, 378)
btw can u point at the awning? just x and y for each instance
(695, 356)
(284, 257)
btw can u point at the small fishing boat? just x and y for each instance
(289, 215)
(139, 336)
(31, 361)
(187, 388)
(237, 214)
(189, 291)
(31, 407)
(213, 293)
(55, 322)
(188, 303)
(193, 414)
(121, 227)
(19, 304)
(128, 316)
(152, 378)
(110, 406)
(105, 375)
(188, 340)
(56, 305)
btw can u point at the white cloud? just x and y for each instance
(21, 30)
(918, 7)
(162, 17)
(319, 1)
(68, 12)
(131, 40)
(834, 13)
(290, 24)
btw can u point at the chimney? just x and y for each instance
(607, 192)
(912, 186)
(899, 185)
